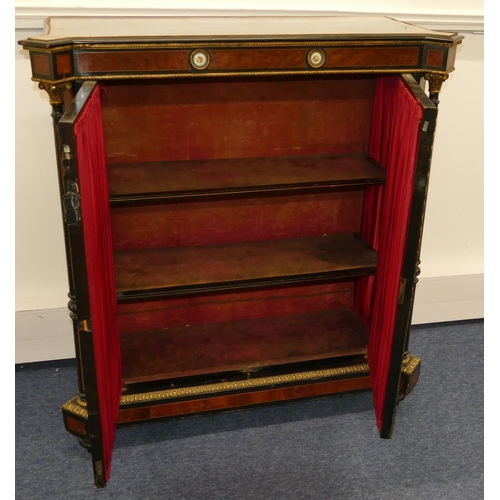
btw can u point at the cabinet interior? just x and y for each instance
(236, 206)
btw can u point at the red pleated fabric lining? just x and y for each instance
(92, 173)
(395, 132)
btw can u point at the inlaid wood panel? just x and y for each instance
(365, 57)
(126, 61)
(75, 426)
(41, 64)
(63, 64)
(265, 58)
(177, 60)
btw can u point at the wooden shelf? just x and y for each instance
(244, 345)
(181, 270)
(130, 182)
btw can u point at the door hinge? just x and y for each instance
(86, 325)
(402, 289)
(71, 204)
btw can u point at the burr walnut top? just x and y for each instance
(175, 27)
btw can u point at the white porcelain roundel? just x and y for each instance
(200, 59)
(316, 58)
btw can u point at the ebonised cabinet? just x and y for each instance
(243, 203)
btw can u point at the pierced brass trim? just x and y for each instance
(43, 81)
(72, 406)
(410, 364)
(254, 44)
(119, 76)
(361, 368)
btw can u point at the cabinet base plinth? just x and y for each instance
(211, 398)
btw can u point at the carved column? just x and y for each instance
(56, 93)
(435, 83)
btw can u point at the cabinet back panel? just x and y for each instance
(235, 220)
(236, 118)
(156, 314)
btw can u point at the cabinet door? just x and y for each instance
(402, 135)
(86, 214)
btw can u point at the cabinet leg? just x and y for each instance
(85, 443)
(75, 416)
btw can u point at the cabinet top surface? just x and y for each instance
(181, 27)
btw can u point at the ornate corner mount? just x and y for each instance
(76, 407)
(435, 83)
(55, 91)
(410, 371)
(410, 364)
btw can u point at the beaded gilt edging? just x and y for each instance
(243, 384)
(408, 367)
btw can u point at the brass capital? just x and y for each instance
(436, 81)
(55, 90)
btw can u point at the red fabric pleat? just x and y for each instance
(370, 226)
(370, 230)
(394, 138)
(92, 173)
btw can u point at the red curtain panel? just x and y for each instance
(395, 132)
(92, 172)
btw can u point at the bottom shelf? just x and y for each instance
(245, 345)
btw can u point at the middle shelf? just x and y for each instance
(187, 179)
(194, 269)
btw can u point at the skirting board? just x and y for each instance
(46, 334)
(449, 298)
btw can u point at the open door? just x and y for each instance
(403, 126)
(86, 214)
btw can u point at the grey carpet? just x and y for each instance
(315, 449)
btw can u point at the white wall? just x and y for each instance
(451, 284)
(452, 279)
(423, 7)
(41, 281)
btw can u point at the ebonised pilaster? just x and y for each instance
(56, 94)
